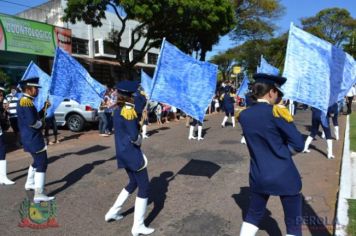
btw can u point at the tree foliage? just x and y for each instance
(225, 62)
(255, 18)
(192, 25)
(335, 25)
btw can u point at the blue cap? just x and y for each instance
(2, 86)
(127, 87)
(275, 80)
(32, 82)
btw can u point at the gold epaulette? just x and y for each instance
(143, 93)
(222, 96)
(232, 95)
(128, 113)
(283, 112)
(26, 102)
(238, 112)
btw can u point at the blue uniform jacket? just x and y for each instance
(228, 102)
(29, 125)
(128, 154)
(140, 102)
(272, 170)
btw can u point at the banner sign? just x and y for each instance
(32, 37)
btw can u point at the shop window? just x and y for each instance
(80, 46)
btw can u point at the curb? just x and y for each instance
(342, 219)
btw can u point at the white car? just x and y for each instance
(75, 115)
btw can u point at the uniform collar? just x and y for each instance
(26, 95)
(263, 100)
(128, 104)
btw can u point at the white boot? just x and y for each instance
(144, 131)
(330, 148)
(139, 216)
(248, 229)
(113, 213)
(30, 181)
(307, 143)
(233, 121)
(3, 174)
(243, 140)
(336, 131)
(191, 133)
(323, 135)
(40, 196)
(224, 121)
(200, 131)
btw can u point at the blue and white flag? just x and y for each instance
(183, 81)
(71, 80)
(318, 73)
(267, 68)
(241, 92)
(146, 82)
(43, 93)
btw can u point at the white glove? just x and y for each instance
(37, 125)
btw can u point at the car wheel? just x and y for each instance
(75, 123)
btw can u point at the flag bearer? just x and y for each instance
(32, 139)
(193, 123)
(228, 100)
(272, 139)
(130, 157)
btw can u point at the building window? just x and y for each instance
(152, 58)
(96, 46)
(136, 53)
(80, 46)
(124, 54)
(109, 48)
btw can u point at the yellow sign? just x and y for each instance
(236, 70)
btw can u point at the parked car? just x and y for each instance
(75, 115)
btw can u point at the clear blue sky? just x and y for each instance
(295, 9)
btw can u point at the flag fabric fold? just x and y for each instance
(146, 82)
(183, 81)
(241, 92)
(71, 80)
(43, 93)
(267, 68)
(318, 73)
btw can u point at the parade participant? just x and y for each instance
(272, 139)
(10, 103)
(228, 103)
(193, 123)
(3, 164)
(140, 108)
(32, 139)
(316, 122)
(129, 156)
(333, 113)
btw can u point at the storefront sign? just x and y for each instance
(31, 37)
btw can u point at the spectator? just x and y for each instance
(103, 122)
(158, 112)
(350, 96)
(10, 104)
(165, 113)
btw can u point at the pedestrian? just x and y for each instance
(272, 139)
(103, 121)
(130, 157)
(10, 103)
(32, 139)
(3, 164)
(228, 100)
(350, 97)
(193, 123)
(319, 118)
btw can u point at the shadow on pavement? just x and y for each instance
(268, 224)
(156, 131)
(96, 148)
(200, 168)
(317, 225)
(75, 176)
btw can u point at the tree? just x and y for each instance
(225, 62)
(335, 25)
(255, 17)
(191, 25)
